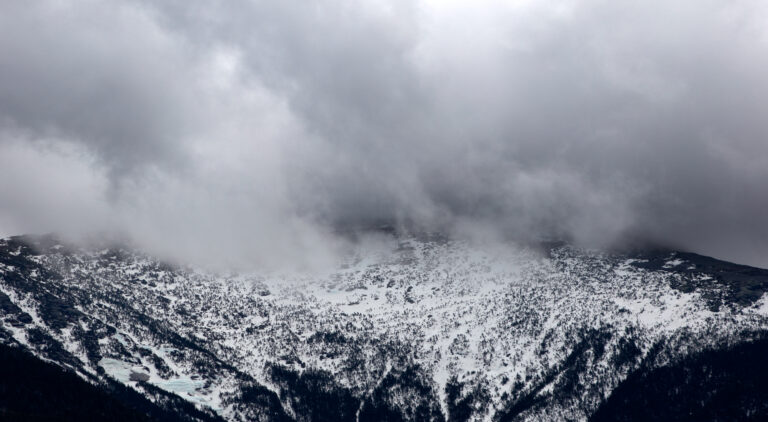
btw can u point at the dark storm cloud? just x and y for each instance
(256, 126)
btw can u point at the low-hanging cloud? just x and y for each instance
(251, 130)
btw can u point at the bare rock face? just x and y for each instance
(415, 329)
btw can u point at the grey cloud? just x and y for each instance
(104, 74)
(253, 123)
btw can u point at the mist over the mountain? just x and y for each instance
(251, 131)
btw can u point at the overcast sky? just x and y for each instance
(249, 129)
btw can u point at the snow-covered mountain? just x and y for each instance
(406, 328)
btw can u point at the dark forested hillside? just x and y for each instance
(34, 390)
(714, 385)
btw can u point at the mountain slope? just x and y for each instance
(407, 328)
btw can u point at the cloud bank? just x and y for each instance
(251, 130)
